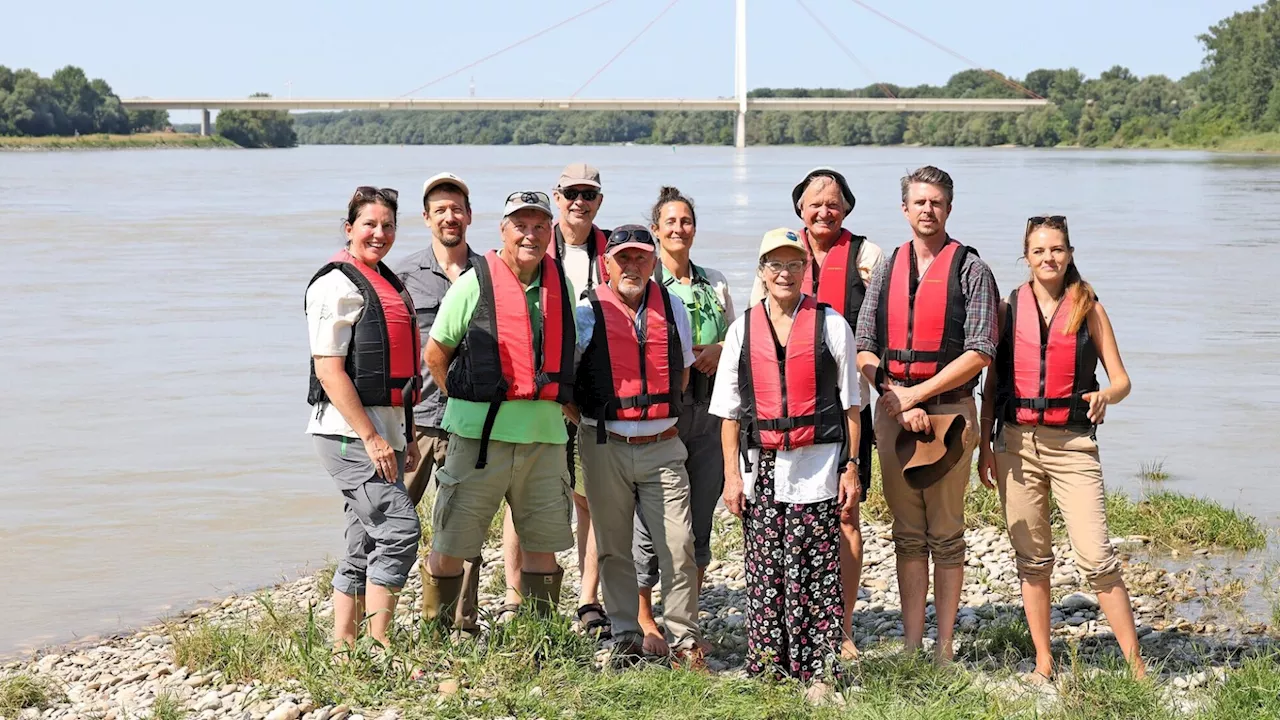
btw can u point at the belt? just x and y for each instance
(948, 397)
(645, 439)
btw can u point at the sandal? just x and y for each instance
(506, 613)
(600, 628)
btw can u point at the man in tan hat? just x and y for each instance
(927, 329)
(428, 274)
(840, 264)
(579, 245)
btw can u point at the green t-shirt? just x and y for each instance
(706, 313)
(519, 421)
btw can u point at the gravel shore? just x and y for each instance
(121, 677)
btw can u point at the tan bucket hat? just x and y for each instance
(927, 457)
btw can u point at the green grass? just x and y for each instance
(104, 141)
(26, 691)
(1173, 519)
(1255, 142)
(1108, 693)
(167, 707)
(1153, 471)
(1006, 641)
(1251, 691)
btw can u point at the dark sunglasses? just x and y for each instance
(528, 196)
(1053, 221)
(571, 194)
(370, 191)
(620, 236)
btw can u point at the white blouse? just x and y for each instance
(804, 475)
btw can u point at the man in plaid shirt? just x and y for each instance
(925, 332)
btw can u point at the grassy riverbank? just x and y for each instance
(266, 656)
(114, 142)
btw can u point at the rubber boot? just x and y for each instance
(467, 617)
(541, 591)
(440, 598)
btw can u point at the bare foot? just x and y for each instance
(817, 693)
(848, 651)
(655, 643)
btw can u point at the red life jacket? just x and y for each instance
(497, 360)
(384, 358)
(837, 282)
(597, 271)
(1042, 372)
(622, 378)
(920, 320)
(791, 401)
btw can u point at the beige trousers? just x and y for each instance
(1036, 461)
(618, 476)
(930, 521)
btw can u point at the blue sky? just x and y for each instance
(331, 49)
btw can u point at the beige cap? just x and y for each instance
(780, 238)
(441, 179)
(527, 199)
(579, 174)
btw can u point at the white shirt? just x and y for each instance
(586, 321)
(803, 475)
(869, 258)
(577, 264)
(333, 306)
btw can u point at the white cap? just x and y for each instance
(441, 179)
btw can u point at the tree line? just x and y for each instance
(69, 103)
(1236, 91)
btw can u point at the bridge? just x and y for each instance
(740, 104)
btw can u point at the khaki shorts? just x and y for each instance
(432, 446)
(534, 479)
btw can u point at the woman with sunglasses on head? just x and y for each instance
(366, 362)
(705, 294)
(789, 395)
(1041, 406)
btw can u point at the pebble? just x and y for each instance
(99, 679)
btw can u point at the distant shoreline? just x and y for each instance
(104, 141)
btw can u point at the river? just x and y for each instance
(154, 358)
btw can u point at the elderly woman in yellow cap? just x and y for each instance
(788, 391)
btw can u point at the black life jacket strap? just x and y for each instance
(913, 356)
(788, 423)
(491, 417)
(1041, 403)
(640, 401)
(744, 436)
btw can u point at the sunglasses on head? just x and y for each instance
(528, 196)
(571, 194)
(369, 191)
(640, 235)
(1053, 221)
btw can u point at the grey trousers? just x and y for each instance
(700, 433)
(619, 477)
(382, 526)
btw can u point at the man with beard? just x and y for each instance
(636, 346)
(428, 274)
(926, 330)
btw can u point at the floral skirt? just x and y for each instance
(795, 606)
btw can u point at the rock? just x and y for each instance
(537, 691)
(448, 687)
(287, 711)
(210, 701)
(1079, 601)
(1076, 621)
(734, 621)
(339, 712)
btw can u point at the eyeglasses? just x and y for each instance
(572, 194)
(795, 267)
(529, 196)
(1057, 222)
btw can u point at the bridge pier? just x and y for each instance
(204, 122)
(740, 75)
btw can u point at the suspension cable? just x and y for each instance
(640, 34)
(866, 70)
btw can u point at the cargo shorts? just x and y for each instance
(534, 479)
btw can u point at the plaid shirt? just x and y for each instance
(981, 300)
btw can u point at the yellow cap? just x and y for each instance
(779, 238)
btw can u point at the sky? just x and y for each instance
(232, 48)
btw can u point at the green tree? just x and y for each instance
(257, 128)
